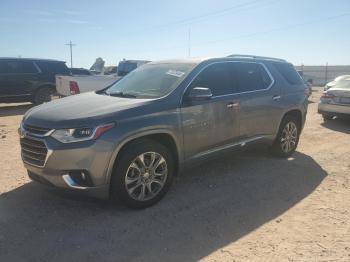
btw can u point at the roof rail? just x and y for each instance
(257, 57)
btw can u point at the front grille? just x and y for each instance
(36, 130)
(33, 151)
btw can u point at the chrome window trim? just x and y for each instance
(37, 67)
(238, 93)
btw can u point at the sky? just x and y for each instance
(309, 32)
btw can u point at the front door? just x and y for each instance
(211, 123)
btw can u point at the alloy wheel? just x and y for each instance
(289, 137)
(146, 176)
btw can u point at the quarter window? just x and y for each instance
(289, 73)
(53, 67)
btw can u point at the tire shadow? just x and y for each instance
(340, 124)
(208, 207)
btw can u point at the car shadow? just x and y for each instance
(14, 110)
(208, 207)
(340, 124)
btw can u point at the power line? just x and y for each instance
(288, 27)
(199, 18)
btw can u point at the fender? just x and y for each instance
(137, 135)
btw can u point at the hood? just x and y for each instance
(80, 110)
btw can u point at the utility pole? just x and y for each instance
(70, 44)
(326, 74)
(189, 41)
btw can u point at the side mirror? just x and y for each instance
(200, 93)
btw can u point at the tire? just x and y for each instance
(287, 138)
(327, 117)
(133, 180)
(43, 95)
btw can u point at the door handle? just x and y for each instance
(276, 97)
(233, 105)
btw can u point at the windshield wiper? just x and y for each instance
(122, 94)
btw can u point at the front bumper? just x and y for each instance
(90, 157)
(334, 109)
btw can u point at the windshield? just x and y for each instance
(151, 80)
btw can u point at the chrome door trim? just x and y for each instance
(241, 143)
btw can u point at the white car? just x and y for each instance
(335, 81)
(72, 85)
(335, 101)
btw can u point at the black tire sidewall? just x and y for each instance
(44, 90)
(118, 190)
(327, 117)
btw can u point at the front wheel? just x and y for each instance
(288, 137)
(143, 174)
(43, 95)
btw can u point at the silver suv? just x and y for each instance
(129, 140)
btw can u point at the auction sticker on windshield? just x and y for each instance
(175, 73)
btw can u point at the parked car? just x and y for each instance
(29, 80)
(335, 101)
(341, 78)
(129, 140)
(307, 82)
(126, 66)
(80, 71)
(72, 85)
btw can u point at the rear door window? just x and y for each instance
(218, 77)
(252, 77)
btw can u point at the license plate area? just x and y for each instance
(344, 100)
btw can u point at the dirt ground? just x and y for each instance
(244, 207)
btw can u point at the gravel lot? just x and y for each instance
(244, 207)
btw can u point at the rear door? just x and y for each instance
(259, 100)
(17, 78)
(212, 123)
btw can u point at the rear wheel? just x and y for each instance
(143, 174)
(327, 117)
(288, 137)
(44, 95)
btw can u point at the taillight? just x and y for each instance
(74, 88)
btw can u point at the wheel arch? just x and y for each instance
(295, 113)
(164, 137)
(41, 86)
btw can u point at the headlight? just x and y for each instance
(80, 134)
